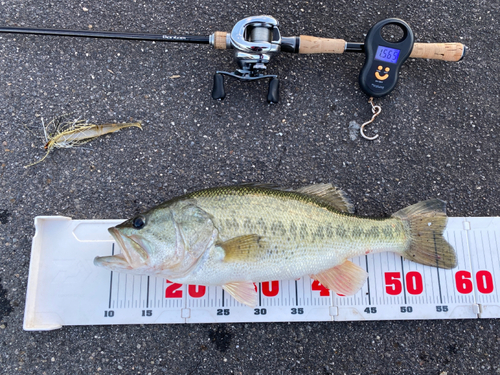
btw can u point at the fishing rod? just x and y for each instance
(255, 41)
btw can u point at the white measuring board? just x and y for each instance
(65, 288)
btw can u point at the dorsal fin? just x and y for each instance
(329, 193)
(250, 247)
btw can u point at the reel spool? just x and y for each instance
(256, 40)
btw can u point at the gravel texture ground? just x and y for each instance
(438, 138)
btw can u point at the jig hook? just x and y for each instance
(376, 109)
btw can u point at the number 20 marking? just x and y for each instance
(269, 289)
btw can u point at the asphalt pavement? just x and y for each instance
(438, 137)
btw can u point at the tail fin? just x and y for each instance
(427, 221)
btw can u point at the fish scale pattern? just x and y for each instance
(303, 235)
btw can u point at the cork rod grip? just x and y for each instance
(438, 51)
(312, 44)
(220, 39)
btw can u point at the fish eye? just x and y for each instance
(139, 222)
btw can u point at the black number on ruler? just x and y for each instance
(441, 308)
(222, 311)
(109, 314)
(406, 309)
(371, 310)
(259, 311)
(147, 312)
(299, 310)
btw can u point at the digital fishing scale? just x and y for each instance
(384, 58)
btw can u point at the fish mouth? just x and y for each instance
(113, 263)
(133, 253)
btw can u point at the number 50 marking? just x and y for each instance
(394, 286)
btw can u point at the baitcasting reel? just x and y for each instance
(256, 40)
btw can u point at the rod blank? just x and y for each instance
(108, 35)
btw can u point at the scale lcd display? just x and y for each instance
(387, 54)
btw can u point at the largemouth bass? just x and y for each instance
(237, 235)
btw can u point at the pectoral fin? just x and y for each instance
(244, 248)
(243, 292)
(346, 278)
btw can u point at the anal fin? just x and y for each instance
(243, 292)
(346, 278)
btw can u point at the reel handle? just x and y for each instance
(435, 51)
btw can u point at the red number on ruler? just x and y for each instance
(393, 285)
(484, 282)
(463, 282)
(172, 291)
(414, 283)
(196, 291)
(323, 291)
(270, 289)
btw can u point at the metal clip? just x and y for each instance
(376, 111)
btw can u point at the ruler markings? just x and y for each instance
(469, 254)
(208, 297)
(125, 291)
(381, 270)
(477, 263)
(462, 296)
(281, 294)
(154, 297)
(483, 244)
(443, 278)
(497, 253)
(118, 279)
(163, 282)
(110, 289)
(493, 263)
(296, 294)
(437, 264)
(451, 296)
(368, 281)
(140, 292)
(375, 279)
(147, 293)
(133, 290)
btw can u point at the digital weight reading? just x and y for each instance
(387, 54)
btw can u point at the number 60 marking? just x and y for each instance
(484, 282)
